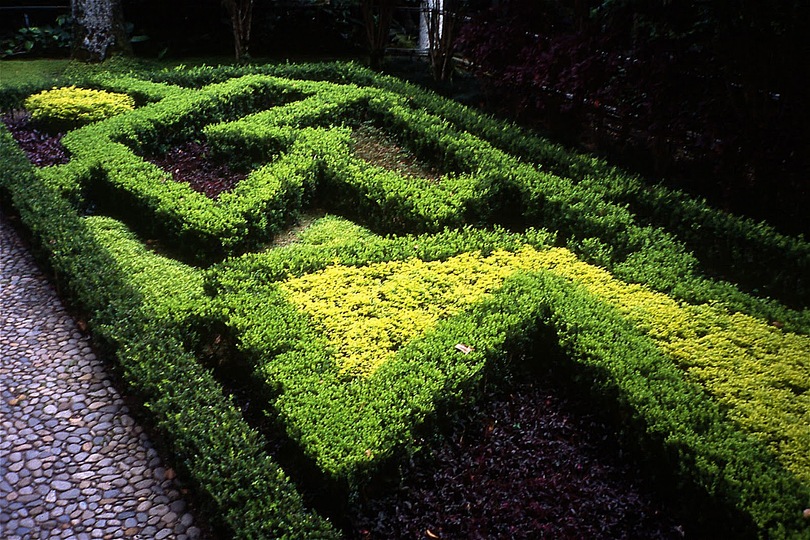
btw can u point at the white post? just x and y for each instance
(427, 7)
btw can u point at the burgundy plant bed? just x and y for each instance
(43, 149)
(524, 463)
(191, 163)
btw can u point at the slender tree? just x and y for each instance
(377, 21)
(443, 23)
(241, 14)
(98, 30)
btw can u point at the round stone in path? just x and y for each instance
(71, 455)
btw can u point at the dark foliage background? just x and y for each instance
(201, 27)
(709, 95)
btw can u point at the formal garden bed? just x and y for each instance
(454, 253)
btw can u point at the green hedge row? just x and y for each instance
(144, 306)
(737, 249)
(751, 254)
(153, 308)
(351, 426)
(485, 185)
(129, 186)
(208, 230)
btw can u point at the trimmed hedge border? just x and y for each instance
(501, 188)
(155, 311)
(352, 426)
(738, 249)
(245, 489)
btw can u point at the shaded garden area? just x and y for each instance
(702, 97)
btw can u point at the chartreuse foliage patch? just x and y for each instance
(72, 107)
(357, 342)
(352, 390)
(368, 313)
(761, 374)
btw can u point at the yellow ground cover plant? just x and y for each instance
(760, 373)
(70, 107)
(370, 312)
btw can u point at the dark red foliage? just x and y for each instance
(523, 464)
(42, 148)
(708, 96)
(191, 163)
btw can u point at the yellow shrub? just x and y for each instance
(70, 107)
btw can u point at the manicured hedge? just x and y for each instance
(351, 419)
(144, 306)
(201, 229)
(751, 254)
(485, 185)
(517, 194)
(70, 107)
(713, 380)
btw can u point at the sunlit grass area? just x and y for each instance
(32, 72)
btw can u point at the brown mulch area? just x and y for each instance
(377, 147)
(43, 149)
(191, 163)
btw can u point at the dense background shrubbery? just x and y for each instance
(708, 97)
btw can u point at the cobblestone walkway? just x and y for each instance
(73, 463)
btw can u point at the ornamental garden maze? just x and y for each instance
(687, 326)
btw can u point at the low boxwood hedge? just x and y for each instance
(145, 307)
(751, 254)
(707, 377)
(491, 187)
(352, 406)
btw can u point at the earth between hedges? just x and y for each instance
(43, 149)
(190, 162)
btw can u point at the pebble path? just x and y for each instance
(73, 462)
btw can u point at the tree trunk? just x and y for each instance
(443, 20)
(98, 30)
(377, 20)
(241, 14)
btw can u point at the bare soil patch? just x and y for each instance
(191, 163)
(379, 148)
(524, 463)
